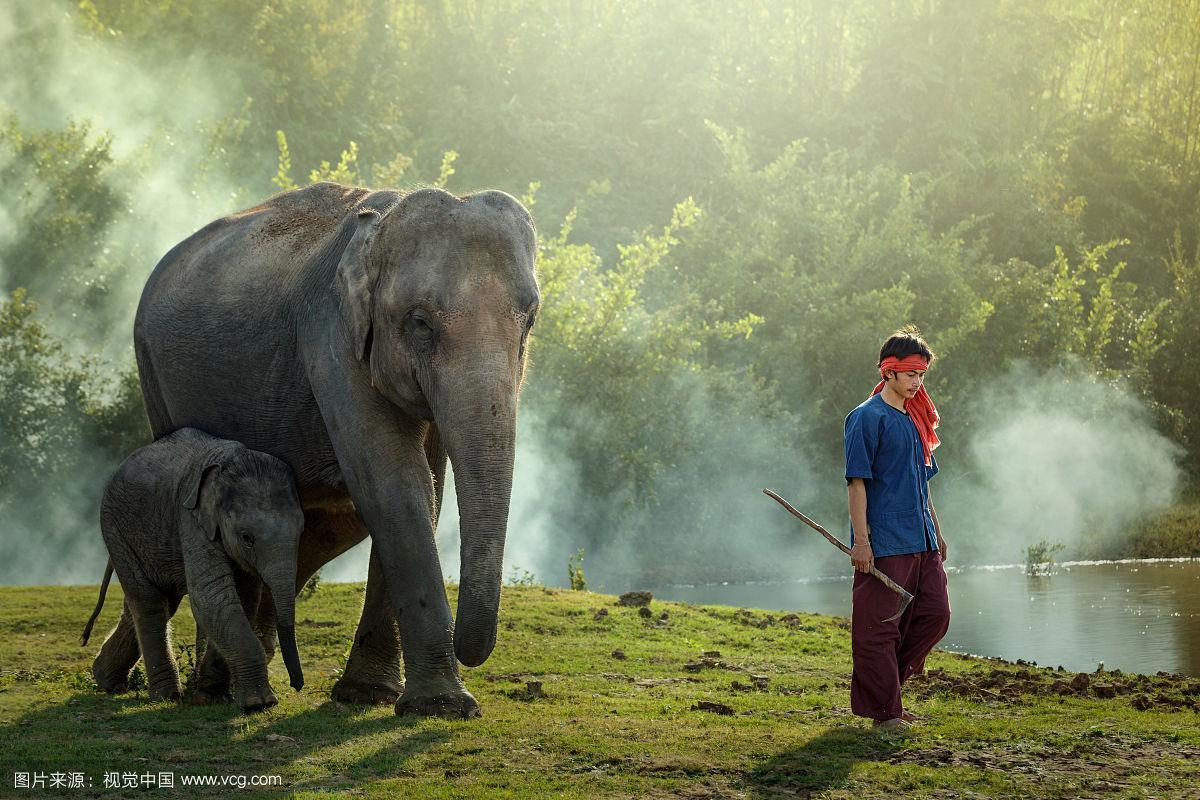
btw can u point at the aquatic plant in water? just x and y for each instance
(1039, 557)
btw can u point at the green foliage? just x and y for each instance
(518, 576)
(346, 170)
(310, 587)
(64, 421)
(61, 199)
(283, 176)
(1039, 557)
(744, 218)
(575, 577)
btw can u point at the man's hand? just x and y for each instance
(942, 546)
(861, 557)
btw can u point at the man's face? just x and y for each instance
(907, 383)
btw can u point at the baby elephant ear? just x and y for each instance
(356, 276)
(195, 479)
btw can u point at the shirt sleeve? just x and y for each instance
(932, 469)
(861, 444)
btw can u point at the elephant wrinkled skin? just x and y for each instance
(364, 337)
(208, 518)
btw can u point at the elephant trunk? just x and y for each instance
(480, 440)
(283, 593)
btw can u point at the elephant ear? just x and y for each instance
(356, 275)
(203, 513)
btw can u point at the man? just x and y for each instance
(889, 442)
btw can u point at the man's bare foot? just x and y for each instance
(893, 724)
(910, 717)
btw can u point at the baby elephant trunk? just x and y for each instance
(283, 593)
(291, 658)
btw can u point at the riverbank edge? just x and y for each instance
(586, 697)
(1173, 533)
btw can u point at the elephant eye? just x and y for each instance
(419, 325)
(247, 539)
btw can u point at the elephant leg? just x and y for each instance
(213, 676)
(387, 474)
(151, 616)
(225, 613)
(117, 656)
(372, 674)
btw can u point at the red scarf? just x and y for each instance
(920, 408)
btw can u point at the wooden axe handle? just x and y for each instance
(891, 584)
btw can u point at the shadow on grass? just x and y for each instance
(823, 762)
(327, 747)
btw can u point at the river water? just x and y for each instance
(1137, 616)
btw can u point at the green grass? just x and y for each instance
(1172, 534)
(606, 727)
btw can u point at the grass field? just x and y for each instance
(658, 719)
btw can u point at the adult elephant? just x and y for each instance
(362, 337)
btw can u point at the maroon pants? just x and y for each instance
(886, 654)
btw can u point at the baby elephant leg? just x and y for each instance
(227, 627)
(212, 674)
(117, 656)
(151, 615)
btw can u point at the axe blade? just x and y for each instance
(905, 599)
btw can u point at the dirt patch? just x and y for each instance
(1111, 758)
(1163, 691)
(746, 617)
(707, 662)
(635, 599)
(715, 708)
(532, 690)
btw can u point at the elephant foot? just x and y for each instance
(257, 699)
(451, 705)
(366, 693)
(109, 679)
(170, 694)
(110, 682)
(211, 697)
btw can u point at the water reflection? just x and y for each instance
(1138, 616)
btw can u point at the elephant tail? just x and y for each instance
(87, 629)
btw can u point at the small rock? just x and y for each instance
(601, 614)
(644, 612)
(664, 616)
(710, 654)
(534, 689)
(716, 708)
(1060, 687)
(1104, 690)
(1081, 682)
(619, 655)
(635, 599)
(738, 686)
(1141, 702)
(760, 682)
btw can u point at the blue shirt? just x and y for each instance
(884, 449)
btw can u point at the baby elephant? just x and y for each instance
(192, 514)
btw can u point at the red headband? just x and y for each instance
(911, 363)
(920, 408)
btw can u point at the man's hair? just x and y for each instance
(906, 341)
